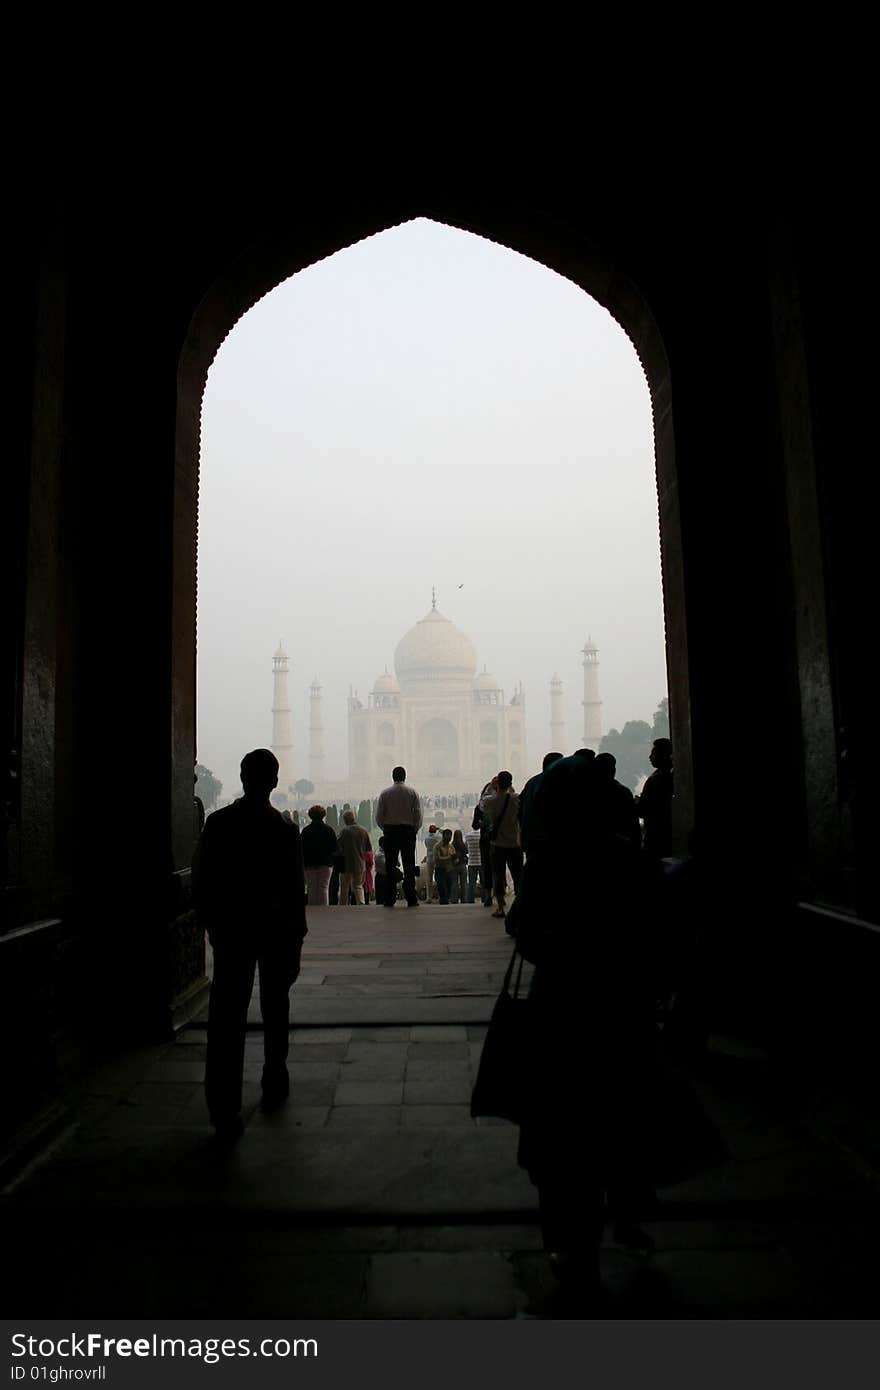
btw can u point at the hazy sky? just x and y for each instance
(424, 408)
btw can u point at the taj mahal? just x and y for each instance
(447, 722)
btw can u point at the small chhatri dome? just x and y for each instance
(485, 681)
(435, 650)
(386, 684)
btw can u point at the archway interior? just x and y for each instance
(437, 749)
(424, 408)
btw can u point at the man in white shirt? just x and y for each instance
(399, 816)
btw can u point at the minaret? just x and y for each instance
(282, 739)
(316, 735)
(592, 703)
(557, 716)
(518, 702)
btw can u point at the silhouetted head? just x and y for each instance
(432, 830)
(381, 841)
(398, 774)
(549, 759)
(660, 755)
(588, 754)
(505, 781)
(259, 773)
(317, 812)
(349, 817)
(447, 836)
(458, 839)
(605, 766)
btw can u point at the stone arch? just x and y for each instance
(288, 249)
(437, 749)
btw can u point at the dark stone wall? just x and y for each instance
(126, 294)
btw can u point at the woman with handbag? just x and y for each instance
(444, 862)
(483, 826)
(459, 869)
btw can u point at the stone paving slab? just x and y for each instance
(372, 1192)
(439, 1051)
(365, 1011)
(373, 1117)
(363, 1052)
(361, 968)
(422, 1284)
(330, 1169)
(194, 1283)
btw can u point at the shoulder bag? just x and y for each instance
(497, 824)
(504, 1083)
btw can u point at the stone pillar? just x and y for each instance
(316, 734)
(521, 700)
(557, 716)
(592, 703)
(282, 738)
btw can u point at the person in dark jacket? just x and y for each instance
(534, 836)
(616, 802)
(249, 892)
(655, 802)
(585, 1140)
(483, 826)
(319, 844)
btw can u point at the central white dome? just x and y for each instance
(435, 650)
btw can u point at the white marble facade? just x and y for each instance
(446, 723)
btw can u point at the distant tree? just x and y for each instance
(332, 816)
(365, 815)
(661, 719)
(630, 746)
(303, 787)
(208, 787)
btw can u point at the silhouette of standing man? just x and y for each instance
(399, 816)
(655, 802)
(249, 891)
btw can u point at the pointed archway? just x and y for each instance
(268, 262)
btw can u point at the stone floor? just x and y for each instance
(373, 1194)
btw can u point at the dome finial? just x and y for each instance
(433, 598)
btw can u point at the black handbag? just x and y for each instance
(504, 1084)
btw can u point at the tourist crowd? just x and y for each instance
(584, 859)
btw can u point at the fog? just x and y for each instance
(424, 409)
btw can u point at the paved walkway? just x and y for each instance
(372, 1193)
